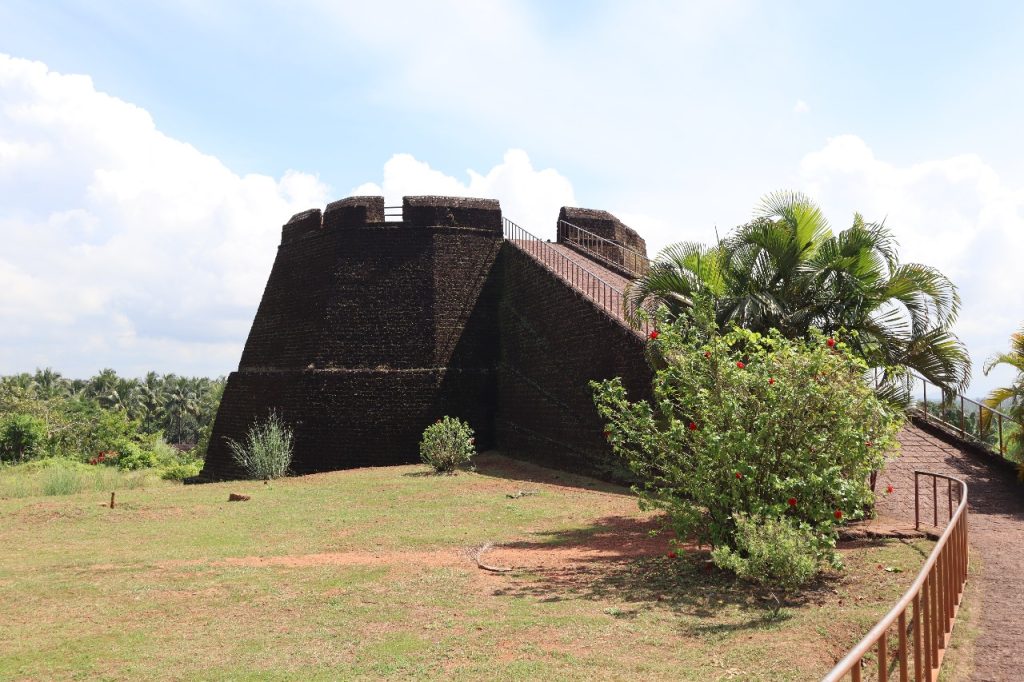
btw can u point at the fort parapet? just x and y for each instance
(371, 329)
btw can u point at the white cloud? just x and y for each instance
(800, 107)
(955, 214)
(124, 247)
(529, 197)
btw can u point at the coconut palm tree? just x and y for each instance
(787, 270)
(1008, 398)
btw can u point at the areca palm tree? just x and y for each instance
(1009, 398)
(787, 270)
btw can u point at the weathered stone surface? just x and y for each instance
(368, 331)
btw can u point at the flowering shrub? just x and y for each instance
(447, 444)
(744, 425)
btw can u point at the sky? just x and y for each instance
(150, 152)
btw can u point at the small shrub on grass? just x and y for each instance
(181, 471)
(267, 450)
(447, 444)
(773, 552)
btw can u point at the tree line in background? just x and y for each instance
(107, 418)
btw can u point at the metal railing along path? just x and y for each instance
(911, 640)
(603, 250)
(608, 297)
(988, 423)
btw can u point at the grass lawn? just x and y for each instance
(368, 574)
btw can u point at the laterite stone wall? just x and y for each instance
(555, 341)
(368, 331)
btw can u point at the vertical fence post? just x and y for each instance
(949, 497)
(935, 501)
(918, 624)
(963, 432)
(901, 626)
(1001, 450)
(883, 662)
(917, 502)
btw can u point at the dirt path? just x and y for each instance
(996, 507)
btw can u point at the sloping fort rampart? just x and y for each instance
(371, 328)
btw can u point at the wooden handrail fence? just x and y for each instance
(922, 620)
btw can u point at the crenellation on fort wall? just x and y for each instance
(431, 211)
(354, 212)
(301, 225)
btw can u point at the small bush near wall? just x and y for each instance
(447, 444)
(267, 450)
(744, 425)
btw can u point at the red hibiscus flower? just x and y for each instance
(653, 334)
(740, 365)
(889, 489)
(791, 502)
(738, 475)
(838, 513)
(771, 381)
(831, 343)
(693, 426)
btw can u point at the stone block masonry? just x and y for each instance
(368, 331)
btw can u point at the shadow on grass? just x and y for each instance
(498, 465)
(617, 560)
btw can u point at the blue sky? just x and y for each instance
(203, 125)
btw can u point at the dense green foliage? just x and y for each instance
(267, 451)
(786, 270)
(1009, 399)
(107, 420)
(447, 444)
(749, 424)
(770, 551)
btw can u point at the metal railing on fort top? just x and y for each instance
(970, 419)
(603, 250)
(608, 297)
(392, 214)
(922, 620)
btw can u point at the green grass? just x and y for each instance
(362, 574)
(55, 477)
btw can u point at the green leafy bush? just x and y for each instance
(447, 444)
(267, 450)
(181, 470)
(774, 552)
(748, 424)
(21, 436)
(131, 456)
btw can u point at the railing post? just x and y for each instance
(883, 663)
(935, 501)
(918, 624)
(949, 497)
(917, 502)
(963, 432)
(1001, 450)
(901, 626)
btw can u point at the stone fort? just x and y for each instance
(375, 322)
